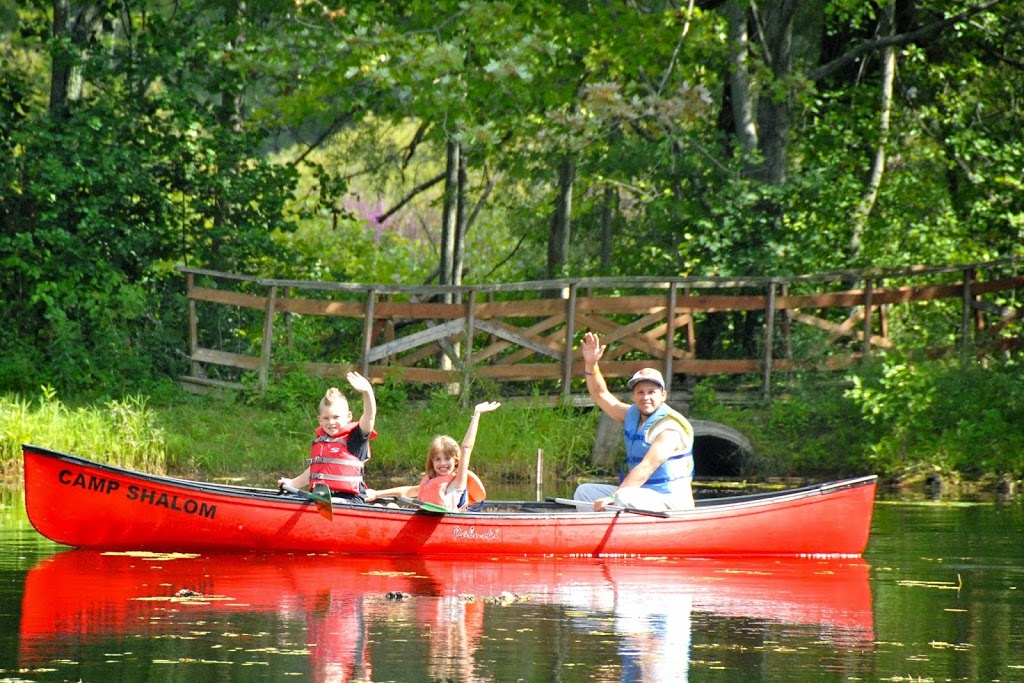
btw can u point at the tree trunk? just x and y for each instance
(461, 221)
(558, 238)
(886, 28)
(449, 217)
(774, 22)
(740, 96)
(72, 27)
(232, 97)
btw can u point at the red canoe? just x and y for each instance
(85, 504)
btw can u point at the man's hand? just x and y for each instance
(591, 348)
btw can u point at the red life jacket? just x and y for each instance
(331, 463)
(431, 489)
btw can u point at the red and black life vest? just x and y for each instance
(331, 463)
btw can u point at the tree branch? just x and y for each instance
(427, 184)
(826, 70)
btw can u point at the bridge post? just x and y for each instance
(769, 339)
(670, 337)
(268, 339)
(570, 334)
(869, 293)
(364, 361)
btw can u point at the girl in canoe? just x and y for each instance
(341, 445)
(448, 480)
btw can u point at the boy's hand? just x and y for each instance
(486, 406)
(359, 383)
(371, 495)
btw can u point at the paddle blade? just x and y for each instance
(322, 497)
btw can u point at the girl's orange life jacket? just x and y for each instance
(431, 488)
(331, 463)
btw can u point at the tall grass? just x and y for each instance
(257, 444)
(118, 432)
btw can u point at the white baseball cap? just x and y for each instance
(646, 375)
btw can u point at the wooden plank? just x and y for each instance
(840, 330)
(629, 337)
(994, 309)
(416, 310)
(514, 335)
(231, 360)
(845, 329)
(220, 296)
(721, 304)
(894, 295)
(411, 341)
(531, 308)
(522, 354)
(607, 305)
(326, 307)
(497, 347)
(649, 304)
(209, 383)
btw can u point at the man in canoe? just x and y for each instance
(340, 446)
(659, 441)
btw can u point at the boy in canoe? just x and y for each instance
(659, 441)
(447, 481)
(341, 446)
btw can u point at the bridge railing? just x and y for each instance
(529, 332)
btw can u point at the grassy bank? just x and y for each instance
(901, 422)
(227, 438)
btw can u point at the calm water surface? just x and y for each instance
(938, 596)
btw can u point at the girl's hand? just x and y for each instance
(359, 383)
(486, 407)
(591, 348)
(371, 495)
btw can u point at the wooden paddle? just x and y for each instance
(614, 508)
(321, 495)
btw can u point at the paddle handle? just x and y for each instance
(613, 508)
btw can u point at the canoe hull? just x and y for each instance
(80, 503)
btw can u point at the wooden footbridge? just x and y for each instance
(529, 332)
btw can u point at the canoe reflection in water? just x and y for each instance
(347, 617)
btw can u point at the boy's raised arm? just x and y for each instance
(369, 417)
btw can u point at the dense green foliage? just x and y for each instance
(308, 140)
